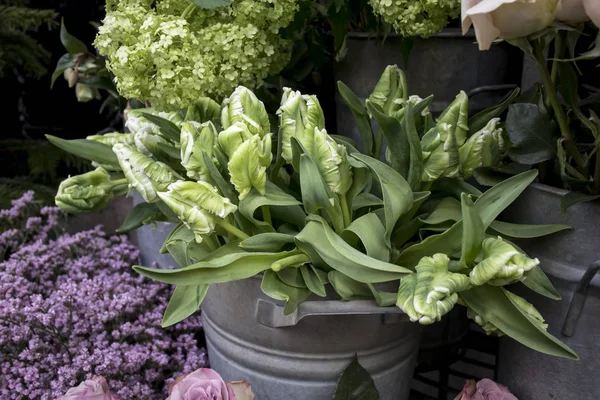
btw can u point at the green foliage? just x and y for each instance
(17, 48)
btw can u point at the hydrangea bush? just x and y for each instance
(71, 309)
(170, 54)
(417, 17)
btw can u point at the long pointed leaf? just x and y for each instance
(88, 149)
(184, 302)
(361, 116)
(473, 231)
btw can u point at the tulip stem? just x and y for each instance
(266, 212)
(118, 182)
(189, 10)
(345, 210)
(559, 114)
(378, 145)
(291, 261)
(232, 229)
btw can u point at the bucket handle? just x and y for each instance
(271, 314)
(492, 88)
(578, 301)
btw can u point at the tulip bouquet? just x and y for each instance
(551, 124)
(310, 214)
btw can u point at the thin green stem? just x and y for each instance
(266, 212)
(232, 229)
(345, 210)
(118, 182)
(559, 50)
(211, 242)
(559, 114)
(291, 261)
(188, 11)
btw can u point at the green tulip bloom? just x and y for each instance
(483, 149)
(144, 174)
(501, 264)
(195, 139)
(391, 92)
(299, 115)
(248, 165)
(332, 161)
(151, 144)
(198, 205)
(87, 192)
(244, 107)
(110, 139)
(232, 138)
(440, 153)
(432, 291)
(457, 115)
(487, 326)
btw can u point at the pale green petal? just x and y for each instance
(431, 292)
(196, 138)
(233, 137)
(110, 139)
(299, 115)
(151, 144)
(198, 205)
(248, 165)
(484, 148)
(332, 161)
(85, 193)
(244, 107)
(501, 264)
(457, 115)
(487, 326)
(144, 174)
(529, 309)
(390, 92)
(440, 153)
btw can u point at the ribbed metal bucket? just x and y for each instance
(150, 238)
(442, 65)
(300, 357)
(571, 260)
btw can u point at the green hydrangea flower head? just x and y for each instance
(484, 148)
(501, 264)
(146, 175)
(430, 293)
(417, 17)
(162, 54)
(86, 192)
(198, 204)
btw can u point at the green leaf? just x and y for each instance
(489, 205)
(211, 4)
(167, 128)
(397, 141)
(178, 250)
(348, 288)
(448, 209)
(405, 232)
(493, 305)
(292, 276)
(315, 279)
(267, 242)
(275, 198)
(473, 231)
(361, 116)
(275, 288)
(66, 61)
(70, 42)
(224, 186)
(371, 232)
(184, 302)
(480, 120)
(455, 187)
(366, 200)
(383, 299)
(315, 194)
(572, 198)
(334, 253)
(88, 149)
(227, 268)
(397, 194)
(355, 383)
(537, 281)
(415, 170)
(522, 231)
(530, 129)
(141, 214)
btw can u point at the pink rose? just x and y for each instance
(485, 389)
(92, 389)
(206, 384)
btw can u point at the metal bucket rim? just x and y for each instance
(453, 33)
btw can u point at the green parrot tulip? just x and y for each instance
(87, 192)
(244, 107)
(483, 149)
(195, 139)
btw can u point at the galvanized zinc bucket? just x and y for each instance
(301, 356)
(442, 65)
(571, 260)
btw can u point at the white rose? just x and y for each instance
(579, 11)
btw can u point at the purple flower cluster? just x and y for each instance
(71, 309)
